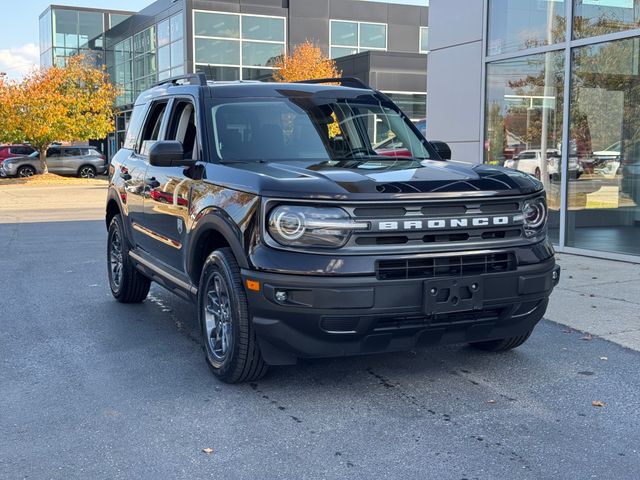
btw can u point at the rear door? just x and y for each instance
(71, 160)
(54, 160)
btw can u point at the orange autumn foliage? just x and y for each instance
(306, 62)
(59, 104)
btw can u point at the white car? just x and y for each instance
(529, 161)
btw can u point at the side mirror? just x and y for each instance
(441, 149)
(168, 153)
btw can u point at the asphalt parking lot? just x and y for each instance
(90, 388)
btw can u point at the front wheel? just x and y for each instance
(502, 344)
(26, 171)
(229, 341)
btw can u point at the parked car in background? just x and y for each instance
(11, 151)
(85, 162)
(530, 161)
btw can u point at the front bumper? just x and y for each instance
(351, 315)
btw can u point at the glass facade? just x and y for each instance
(143, 59)
(578, 132)
(230, 46)
(347, 38)
(424, 39)
(77, 31)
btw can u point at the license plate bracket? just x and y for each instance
(448, 295)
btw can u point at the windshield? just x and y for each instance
(333, 130)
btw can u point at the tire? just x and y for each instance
(127, 284)
(502, 344)
(26, 171)
(537, 173)
(228, 338)
(87, 171)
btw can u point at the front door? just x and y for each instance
(166, 206)
(54, 160)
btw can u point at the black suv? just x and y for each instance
(273, 207)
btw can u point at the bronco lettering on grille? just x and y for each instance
(446, 223)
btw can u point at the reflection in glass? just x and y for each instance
(603, 203)
(261, 54)
(414, 105)
(211, 24)
(337, 52)
(217, 51)
(596, 17)
(344, 33)
(263, 28)
(213, 72)
(524, 99)
(517, 25)
(373, 36)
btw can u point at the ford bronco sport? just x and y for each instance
(269, 207)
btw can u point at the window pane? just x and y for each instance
(177, 53)
(261, 54)
(219, 73)
(522, 115)
(90, 24)
(177, 29)
(263, 74)
(263, 28)
(66, 21)
(414, 105)
(337, 52)
(373, 36)
(598, 17)
(116, 18)
(424, 39)
(344, 33)
(604, 192)
(217, 51)
(164, 33)
(177, 71)
(524, 24)
(164, 58)
(217, 25)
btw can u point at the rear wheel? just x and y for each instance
(229, 341)
(502, 344)
(87, 171)
(26, 171)
(127, 284)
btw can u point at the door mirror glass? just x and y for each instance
(442, 149)
(168, 153)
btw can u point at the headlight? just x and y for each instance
(300, 226)
(534, 212)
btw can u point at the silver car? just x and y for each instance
(85, 162)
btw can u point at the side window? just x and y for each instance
(135, 124)
(151, 129)
(53, 152)
(72, 152)
(21, 150)
(182, 127)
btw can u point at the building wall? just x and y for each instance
(455, 76)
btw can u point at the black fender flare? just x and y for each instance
(214, 220)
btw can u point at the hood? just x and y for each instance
(399, 178)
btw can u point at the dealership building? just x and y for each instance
(509, 80)
(383, 44)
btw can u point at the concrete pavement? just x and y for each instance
(90, 388)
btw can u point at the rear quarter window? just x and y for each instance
(135, 124)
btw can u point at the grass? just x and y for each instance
(52, 179)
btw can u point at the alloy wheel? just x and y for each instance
(217, 312)
(26, 172)
(87, 172)
(115, 259)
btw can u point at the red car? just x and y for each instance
(8, 151)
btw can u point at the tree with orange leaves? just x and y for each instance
(71, 103)
(305, 63)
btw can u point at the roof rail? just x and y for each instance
(188, 79)
(352, 82)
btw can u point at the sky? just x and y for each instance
(19, 51)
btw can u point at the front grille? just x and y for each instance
(450, 266)
(436, 239)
